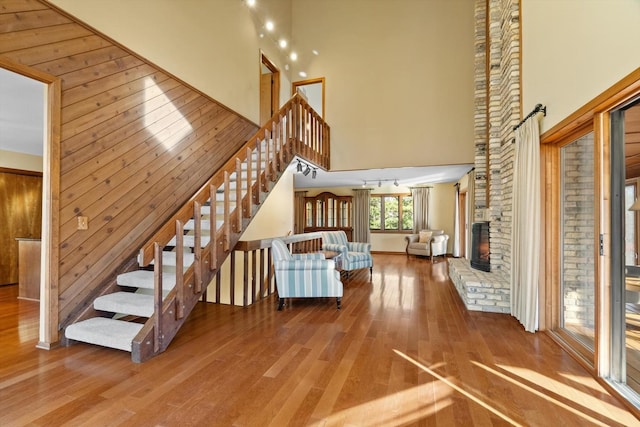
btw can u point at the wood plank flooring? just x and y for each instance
(402, 351)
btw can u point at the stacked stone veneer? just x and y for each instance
(497, 110)
(578, 263)
(480, 290)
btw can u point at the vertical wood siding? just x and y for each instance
(136, 142)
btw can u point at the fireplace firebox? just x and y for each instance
(480, 246)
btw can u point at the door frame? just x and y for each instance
(275, 83)
(594, 116)
(50, 255)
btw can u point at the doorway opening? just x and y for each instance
(48, 330)
(269, 89)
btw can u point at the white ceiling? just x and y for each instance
(21, 113)
(408, 176)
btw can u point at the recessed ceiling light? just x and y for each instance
(261, 35)
(293, 56)
(282, 43)
(315, 52)
(269, 25)
(302, 74)
(251, 3)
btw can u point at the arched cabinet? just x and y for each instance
(326, 211)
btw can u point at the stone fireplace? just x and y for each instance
(480, 246)
(498, 109)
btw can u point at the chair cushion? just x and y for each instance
(424, 236)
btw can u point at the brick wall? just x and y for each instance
(497, 110)
(578, 263)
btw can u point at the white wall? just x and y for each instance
(275, 218)
(573, 50)
(212, 45)
(14, 160)
(399, 79)
(398, 73)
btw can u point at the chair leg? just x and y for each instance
(280, 304)
(339, 302)
(370, 273)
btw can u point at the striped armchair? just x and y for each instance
(354, 255)
(304, 275)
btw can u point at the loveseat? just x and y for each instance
(427, 243)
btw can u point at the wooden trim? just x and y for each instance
(49, 292)
(20, 172)
(618, 94)
(294, 86)
(275, 94)
(593, 116)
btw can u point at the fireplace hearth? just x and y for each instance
(480, 246)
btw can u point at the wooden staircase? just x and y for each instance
(144, 309)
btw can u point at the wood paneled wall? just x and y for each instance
(136, 142)
(20, 216)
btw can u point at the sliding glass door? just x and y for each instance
(625, 272)
(577, 241)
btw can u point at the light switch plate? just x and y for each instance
(83, 223)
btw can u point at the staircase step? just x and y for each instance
(190, 241)
(169, 258)
(126, 303)
(105, 332)
(206, 224)
(144, 279)
(206, 210)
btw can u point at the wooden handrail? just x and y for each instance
(258, 271)
(294, 130)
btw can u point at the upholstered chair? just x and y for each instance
(429, 243)
(304, 275)
(354, 255)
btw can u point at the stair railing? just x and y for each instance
(257, 268)
(296, 129)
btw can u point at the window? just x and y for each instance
(391, 212)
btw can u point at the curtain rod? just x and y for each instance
(536, 110)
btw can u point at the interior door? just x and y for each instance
(269, 89)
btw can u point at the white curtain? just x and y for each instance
(525, 237)
(471, 211)
(456, 223)
(361, 216)
(420, 208)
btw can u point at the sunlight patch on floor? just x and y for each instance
(459, 389)
(581, 400)
(400, 408)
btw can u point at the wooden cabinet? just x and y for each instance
(328, 212)
(29, 268)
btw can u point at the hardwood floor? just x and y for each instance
(402, 351)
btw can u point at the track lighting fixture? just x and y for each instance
(380, 181)
(306, 168)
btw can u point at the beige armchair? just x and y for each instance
(427, 243)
